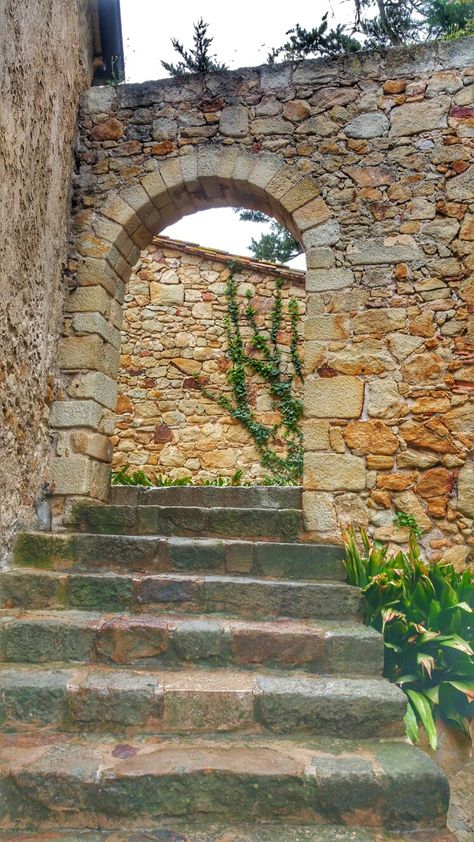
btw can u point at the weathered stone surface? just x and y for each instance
(415, 117)
(384, 399)
(340, 397)
(234, 121)
(320, 512)
(391, 250)
(368, 125)
(318, 280)
(435, 482)
(465, 502)
(370, 437)
(108, 130)
(334, 472)
(380, 322)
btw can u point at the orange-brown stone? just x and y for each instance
(370, 437)
(432, 435)
(397, 481)
(123, 405)
(109, 130)
(435, 482)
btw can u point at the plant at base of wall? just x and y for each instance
(264, 360)
(123, 477)
(425, 612)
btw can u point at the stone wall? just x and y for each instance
(366, 160)
(45, 55)
(174, 326)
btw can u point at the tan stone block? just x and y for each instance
(95, 385)
(155, 189)
(379, 463)
(320, 258)
(95, 323)
(316, 434)
(416, 459)
(367, 357)
(264, 170)
(319, 512)
(166, 294)
(300, 194)
(380, 321)
(89, 245)
(71, 475)
(92, 444)
(327, 326)
(396, 481)
(424, 368)
(88, 299)
(91, 272)
(408, 502)
(314, 356)
(115, 208)
(312, 213)
(333, 397)
(86, 413)
(337, 440)
(318, 280)
(334, 472)
(370, 437)
(80, 352)
(465, 503)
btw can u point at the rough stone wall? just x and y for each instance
(45, 56)
(174, 326)
(364, 158)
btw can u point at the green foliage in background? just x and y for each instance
(140, 478)
(425, 613)
(278, 246)
(262, 356)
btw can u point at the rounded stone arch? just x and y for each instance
(105, 248)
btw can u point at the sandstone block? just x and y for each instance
(366, 357)
(319, 512)
(302, 193)
(372, 124)
(326, 234)
(296, 110)
(333, 397)
(415, 117)
(320, 258)
(92, 444)
(271, 125)
(313, 213)
(334, 472)
(320, 125)
(379, 322)
(234, 121)
(465, 502)
(370, 437)
(93, 299)
(95, 323)
(327, 326)
(108, 130)
(166, 294)
(370, 176)
(401, 249)
(85, 413)
(384, 400)
(436, 482)
(80, 352)
(407, 501)
(71, 475)
(164, 128)
(318, 280)
(95, 385)
(423, 368)
(316, 434)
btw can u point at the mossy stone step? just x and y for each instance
(95, 781)
(208, 497)
(125, 553)
(120, 700)
(271, 524)
(235, 595)
(160, 640)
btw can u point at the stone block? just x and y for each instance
(303, 192)
(334, 472)
(163, 128)
(333, 397)
(415, 117)
(312, 213)
(92, 444)
(95, 323)
(318, 280)
(319, 512)
(465, 502)
(71, 475)
(370, 437)
(372, 124)
(320, 258)
(401, 249)
(327, 326)
(379, 322)
(115, 208)
(90, 299)
(316, 434)
(271, 125)
(166, 294)
(234, 121)
(326, 234)
(95, 385)
(65, 414)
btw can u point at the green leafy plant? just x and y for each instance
(123, 477)
(425, 613)
(404, 519)
(264, 359)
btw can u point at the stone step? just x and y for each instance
(209, 497)
(82, 552)
(269, 524)
(179, 831)
(30, 588)
(172, 640)
(120, 700)
(90, 782)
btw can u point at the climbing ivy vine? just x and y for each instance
(263, 357)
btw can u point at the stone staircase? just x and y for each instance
(182, 667)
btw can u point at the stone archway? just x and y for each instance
(108, 247)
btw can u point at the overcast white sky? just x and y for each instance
(244, 32)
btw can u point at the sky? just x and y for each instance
(244, 32)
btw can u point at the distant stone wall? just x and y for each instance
(174, 326)
(45, 61)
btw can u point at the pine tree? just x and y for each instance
(198, 59)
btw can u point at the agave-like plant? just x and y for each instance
(425, 612)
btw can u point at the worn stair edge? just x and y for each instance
(82, 552)
(266, 524)
(177, 831)
(240, 497)
(94, 783)
(322, 647)
(242, 596)
(113, 700)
